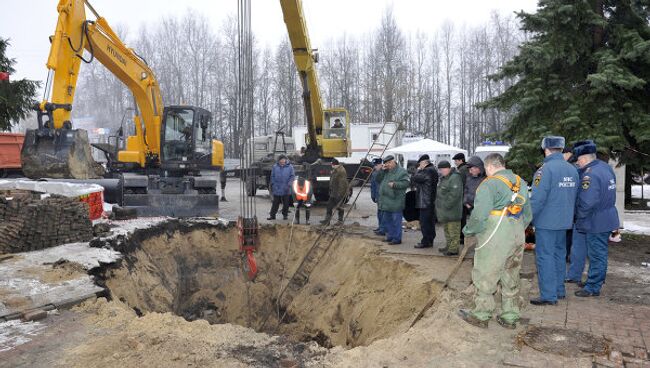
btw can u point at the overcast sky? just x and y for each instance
(29, 23)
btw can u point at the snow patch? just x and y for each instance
(14, 333)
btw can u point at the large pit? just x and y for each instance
(354, 296)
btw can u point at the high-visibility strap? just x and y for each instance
(514, 187)
(301, 191)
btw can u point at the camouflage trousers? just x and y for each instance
(452, 235)
(498, 263)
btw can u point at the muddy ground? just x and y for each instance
(179, 299)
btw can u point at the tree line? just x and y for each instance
(429, 82)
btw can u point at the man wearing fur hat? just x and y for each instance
(553, 199)
(596, 214)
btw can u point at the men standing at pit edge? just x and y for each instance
(302, 194)
(553, 199)
(338, 191)
(476, 175)
(596, 214)
(374, 192)
(425, 181)
(393, 181)
(463, 170)
(282, 176)
(499, 219)
(449, 206)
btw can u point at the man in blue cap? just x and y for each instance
(553, 199)
(596, 214)
(577, 252)
(374, 192)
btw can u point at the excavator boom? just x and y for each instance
(168, 167)
(57, 150)
(328, 129)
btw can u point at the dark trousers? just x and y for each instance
(286, 200)
(428, 225)
(379, 228)
(331, 204)
(300, 205)
(569, 242)
(463, 220)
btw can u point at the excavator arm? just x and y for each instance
(75, 33)
(325, 140)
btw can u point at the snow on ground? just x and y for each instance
(15, 332)
(637, 222)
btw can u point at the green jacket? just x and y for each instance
(449, 198)
(463, 170)
(392, 199)
(493, 194)
(338, 182)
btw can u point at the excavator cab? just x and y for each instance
(186, 142)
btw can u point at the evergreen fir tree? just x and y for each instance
(16, 97)
(583, 74)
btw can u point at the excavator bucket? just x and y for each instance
(58, 154)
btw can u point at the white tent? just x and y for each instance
(437, 151)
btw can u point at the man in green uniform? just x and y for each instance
(449, 206)
(338, 191)
(500, 216)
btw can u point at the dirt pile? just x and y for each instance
(120, 339)
(354, 297)
(28, 222)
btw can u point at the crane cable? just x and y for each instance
(247, 222)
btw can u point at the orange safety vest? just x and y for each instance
(302, 193)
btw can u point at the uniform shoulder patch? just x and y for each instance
(586, 182)
(538, 176)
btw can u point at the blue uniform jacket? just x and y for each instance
(374, 187)
(555, 187)
(595, 209)
(281, 179)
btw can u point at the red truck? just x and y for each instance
(10, 146)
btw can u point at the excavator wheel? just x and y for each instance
(58, 154)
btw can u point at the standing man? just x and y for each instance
(393, 181)
(374, 192)
(499, 219)
(223, 179)
(302, 194)
(553, 199)
(282, 176)
(461, 165)
(425, 181)
(449, 206)
(338, 191)
(596, 214)
(476, 175)
(463, 170)
(578, 250)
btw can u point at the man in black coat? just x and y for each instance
(425, 181)
(475, 175)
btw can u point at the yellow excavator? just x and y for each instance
(168, 167)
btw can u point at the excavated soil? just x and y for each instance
(354, 296)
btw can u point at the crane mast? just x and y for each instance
(325, 139)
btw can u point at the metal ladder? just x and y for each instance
(319, 248)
